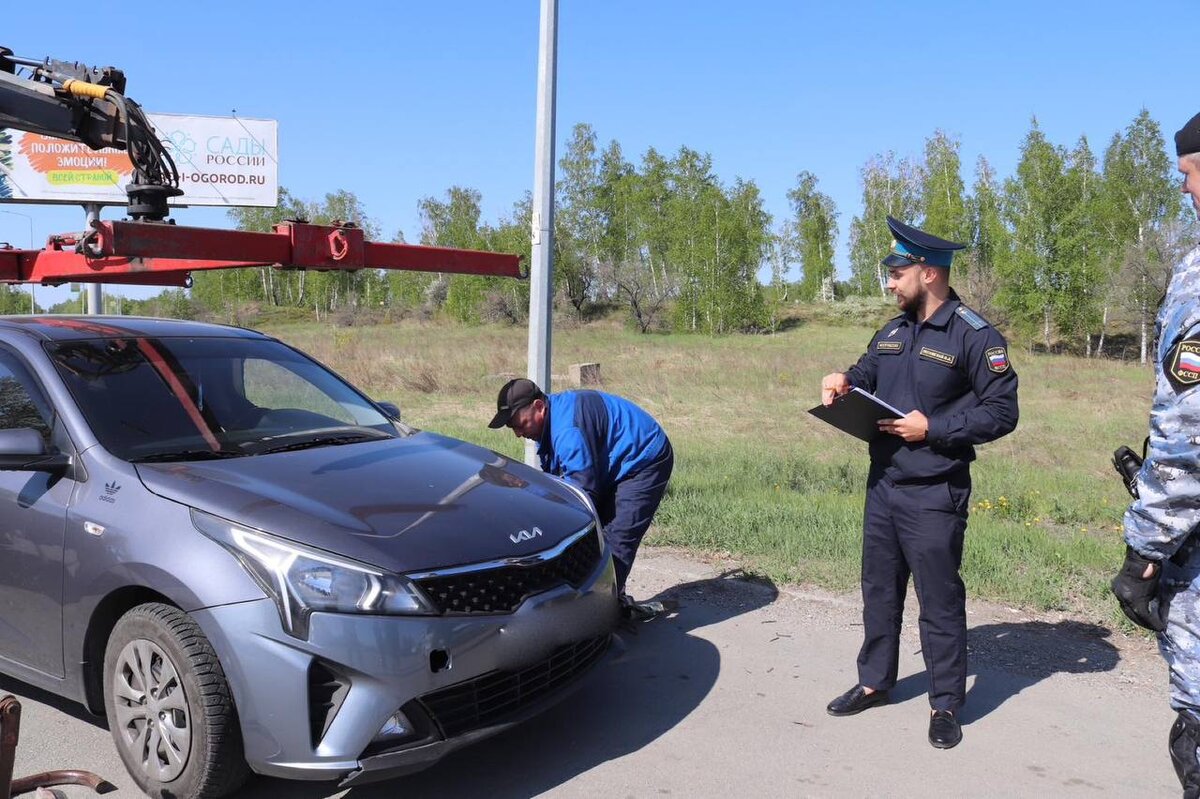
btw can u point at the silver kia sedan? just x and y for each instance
(248, 565)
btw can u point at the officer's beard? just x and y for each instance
(914, 304)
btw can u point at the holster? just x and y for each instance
(1127, 463)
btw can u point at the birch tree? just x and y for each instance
(989, 240)
(1142, 200)
(814, 231)
(943, 207)
(1034, 206)
(889, 187)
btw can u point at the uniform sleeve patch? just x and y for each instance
(971, 318)
(1183, 364)
(997, 359)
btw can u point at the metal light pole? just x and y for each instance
(95, 291)
(541, 269)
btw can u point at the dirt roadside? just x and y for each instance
(725, 696)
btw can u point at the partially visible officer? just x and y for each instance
(607, 446)
(943, 361)
(1159, 584)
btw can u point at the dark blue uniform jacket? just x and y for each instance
(596, 440)
(954, 368)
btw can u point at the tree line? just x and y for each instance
(1070, 250)
(668, 242)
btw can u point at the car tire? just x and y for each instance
(169, 707)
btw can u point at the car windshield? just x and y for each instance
(163, 399)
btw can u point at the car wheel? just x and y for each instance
(169, 707)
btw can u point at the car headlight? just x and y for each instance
(301, 579)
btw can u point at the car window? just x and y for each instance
(21, 401)
(208, 397)
(272, 385)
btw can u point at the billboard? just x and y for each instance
(223, 161)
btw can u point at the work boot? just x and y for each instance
(640, 611)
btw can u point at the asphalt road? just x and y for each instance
(727, 696)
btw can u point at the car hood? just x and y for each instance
(413, 503)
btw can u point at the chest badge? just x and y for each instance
(889, 347)
(944, 358)
(997, 359)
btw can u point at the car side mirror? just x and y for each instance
(22, 449)
(391, 409)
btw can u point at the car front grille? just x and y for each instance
(503, 587)
(499, 695)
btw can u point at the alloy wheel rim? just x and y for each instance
(152, 715)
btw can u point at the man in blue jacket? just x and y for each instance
(606, 445)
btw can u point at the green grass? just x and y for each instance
(757, 477)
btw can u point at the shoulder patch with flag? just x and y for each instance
(997, 359)
(1183, 364)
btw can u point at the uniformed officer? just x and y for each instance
(606, 445)
(949, 369)
(1159, 584)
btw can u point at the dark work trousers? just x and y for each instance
(916, 529)
(627, 512)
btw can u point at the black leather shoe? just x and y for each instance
(856, 700)
(944, 730)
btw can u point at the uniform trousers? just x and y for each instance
(916, 528)
(627, 511)
(1180, 642)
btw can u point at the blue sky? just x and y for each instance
(396, 101)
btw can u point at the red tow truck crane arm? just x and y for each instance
(88, 105)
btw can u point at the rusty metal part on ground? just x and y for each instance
(41, 784)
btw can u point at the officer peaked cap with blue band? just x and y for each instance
(913, 246)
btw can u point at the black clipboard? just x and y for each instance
(857, 412)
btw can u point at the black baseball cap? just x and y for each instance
(1187, 138)
(514, 396)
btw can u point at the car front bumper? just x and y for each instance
(310, 710)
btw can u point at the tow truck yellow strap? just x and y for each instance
(84, 89)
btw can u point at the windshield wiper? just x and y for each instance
(324, 441)
(189, 455)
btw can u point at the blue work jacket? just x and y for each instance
(595, 440)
